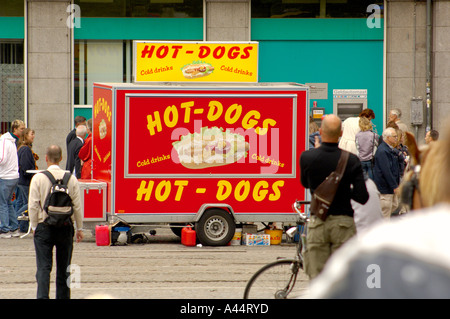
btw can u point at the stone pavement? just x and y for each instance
(161, 268)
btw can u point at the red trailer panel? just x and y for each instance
(168, 152)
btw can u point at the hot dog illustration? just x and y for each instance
(102, 129)
(212, 147)
(197, 70)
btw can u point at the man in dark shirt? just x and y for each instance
(79, 120)
(387, 171)
(73, 163)
(324, 237)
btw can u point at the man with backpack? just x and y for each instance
(53, 205)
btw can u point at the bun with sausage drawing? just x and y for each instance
(102, 128)
(197, 70)
(210, 148)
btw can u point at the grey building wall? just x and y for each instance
(441, 64)
(227, 20)
(406, 38)
(49, 86)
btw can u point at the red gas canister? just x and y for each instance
(188, 236)
(102, 235)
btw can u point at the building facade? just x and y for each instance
(380, 52)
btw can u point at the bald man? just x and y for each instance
(324, 237)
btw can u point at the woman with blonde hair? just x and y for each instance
(366, 145)
(350, 127)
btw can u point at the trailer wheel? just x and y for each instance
(216, 227)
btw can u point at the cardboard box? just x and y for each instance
(248, 229)
(257, 240)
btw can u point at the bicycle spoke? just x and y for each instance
(275, 281)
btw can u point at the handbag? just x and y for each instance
(324, 194)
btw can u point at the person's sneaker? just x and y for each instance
(5, 235)
(15, 233)
(22, 217)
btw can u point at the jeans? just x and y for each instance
(367, 168)
(45, 237)
(21, 197)
(8, 217)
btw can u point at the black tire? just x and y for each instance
(216, 227)
(274, 281)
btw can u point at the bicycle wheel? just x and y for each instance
(274, 281)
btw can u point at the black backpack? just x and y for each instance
(58, 204)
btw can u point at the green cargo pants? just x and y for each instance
(323, 238)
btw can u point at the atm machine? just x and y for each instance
(349, 103)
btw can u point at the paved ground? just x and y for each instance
(160, 268)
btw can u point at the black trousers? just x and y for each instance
(45, 238)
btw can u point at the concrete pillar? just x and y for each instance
(441, 68)
(227, 20)
(406, 30)
(49, 67)
(406, 60)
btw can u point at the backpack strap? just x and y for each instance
(66, 178)
(50, 176)
(52, 179)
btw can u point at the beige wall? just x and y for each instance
(49, 43)
(441, 64)
(406, 59)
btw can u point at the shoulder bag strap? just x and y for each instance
(342, 164)
(373, 145)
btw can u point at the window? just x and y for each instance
(285, 9)
(312, 8)
(350, 9)
(12, 97)
(100, 61)
(141, 8)
(12, 8)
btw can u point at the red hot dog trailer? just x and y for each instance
(207, 154)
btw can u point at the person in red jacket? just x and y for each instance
(85, 153)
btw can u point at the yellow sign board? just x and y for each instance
(195, 61)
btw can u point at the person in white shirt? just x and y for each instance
(9, 178)
(350, 127)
